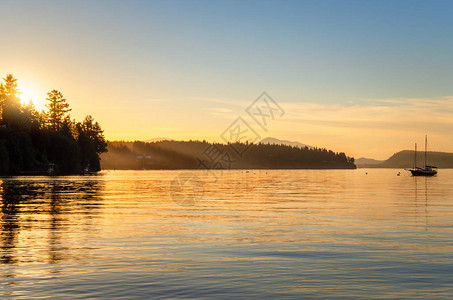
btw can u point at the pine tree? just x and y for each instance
(9, 100)
(58, 109)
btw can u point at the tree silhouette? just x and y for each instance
(91, 142)
(58, 109)
(11, 85)
(33, 142)
(204, 155)
(10, 101)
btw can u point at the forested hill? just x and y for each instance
(405, 159)
(203, 155)
(47, 141)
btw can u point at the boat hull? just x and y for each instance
(423, 172)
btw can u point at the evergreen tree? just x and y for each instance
(58, 109)
(2, 100)
(11, 85)
(91, 142)
(33, 141)
(10, 101)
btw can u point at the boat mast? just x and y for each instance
(426, 144)
(415, 156)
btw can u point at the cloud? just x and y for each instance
(229, 102)
(386, 113)
(221, 112)
(378, 127)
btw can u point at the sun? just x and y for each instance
(27, 93)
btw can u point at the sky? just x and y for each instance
(369, 78)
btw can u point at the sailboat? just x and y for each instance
(426, 170)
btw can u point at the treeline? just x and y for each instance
(47, 141)
(203, 155)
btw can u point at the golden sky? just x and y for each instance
(369, 80)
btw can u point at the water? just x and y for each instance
(262, 234)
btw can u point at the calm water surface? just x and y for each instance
(262, 234)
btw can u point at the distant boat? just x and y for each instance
(426, 170)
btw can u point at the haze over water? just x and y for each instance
(268, 233)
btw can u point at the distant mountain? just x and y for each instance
(364, 162)
(405, 159)
(272, 141)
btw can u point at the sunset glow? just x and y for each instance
(30, 93)
(170, 87)
(227, 149)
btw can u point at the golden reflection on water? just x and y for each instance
(319, 226)
(38, 216)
